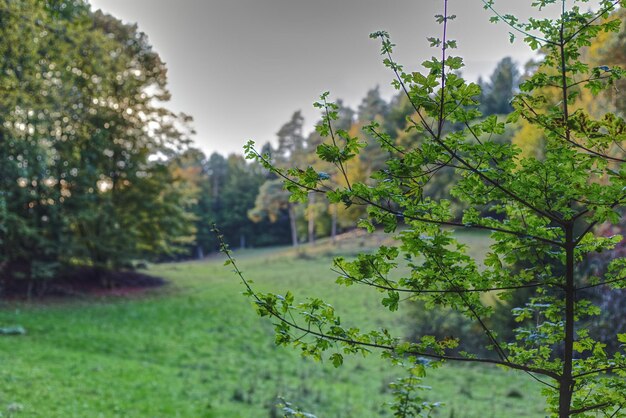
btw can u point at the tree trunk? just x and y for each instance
(333, 225)
(292, 225)
(311, 216)
(566, 384)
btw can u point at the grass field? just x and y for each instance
(197, 349)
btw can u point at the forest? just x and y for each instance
(101, 182)
(98, 174)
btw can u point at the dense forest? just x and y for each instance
(97, 173)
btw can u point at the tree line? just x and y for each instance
(96, 172)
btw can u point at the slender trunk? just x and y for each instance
(333, 225)
(567, 382)
(292, 225)
(311, 216)
(566, 385)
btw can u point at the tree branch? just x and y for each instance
(590, 408)
(343, 273)
(528, 369)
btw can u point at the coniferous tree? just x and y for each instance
(499, 90)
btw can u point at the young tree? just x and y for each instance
(548, 209)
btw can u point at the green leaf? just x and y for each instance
(392, 300)
(337, 359)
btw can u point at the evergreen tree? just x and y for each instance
(291, 142)
(372, 106)
(499, 90)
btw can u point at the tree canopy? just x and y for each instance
(83, 142)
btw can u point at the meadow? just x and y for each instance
(196, 348)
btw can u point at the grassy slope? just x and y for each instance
(197, 349)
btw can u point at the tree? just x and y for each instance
(117, 208)
(239, 193)
(372, 109)
(272, 203)
(211, 205)
(220, 190)
(26, 233)
(291, 141)
(84, 139)
(607, 51)
(372, 106)
(190, 168)
(498, 92)
(345, 122)
(548, 210)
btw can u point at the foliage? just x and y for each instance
(606, 52)
(81, 127)
(271, 202)
(547, 210)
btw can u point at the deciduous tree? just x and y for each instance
(547, 209)
(82, 123)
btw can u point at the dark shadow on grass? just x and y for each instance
(80, 283)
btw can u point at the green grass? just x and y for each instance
(197, 349)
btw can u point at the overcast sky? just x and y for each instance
(242, 67)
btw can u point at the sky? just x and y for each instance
(240, 68)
